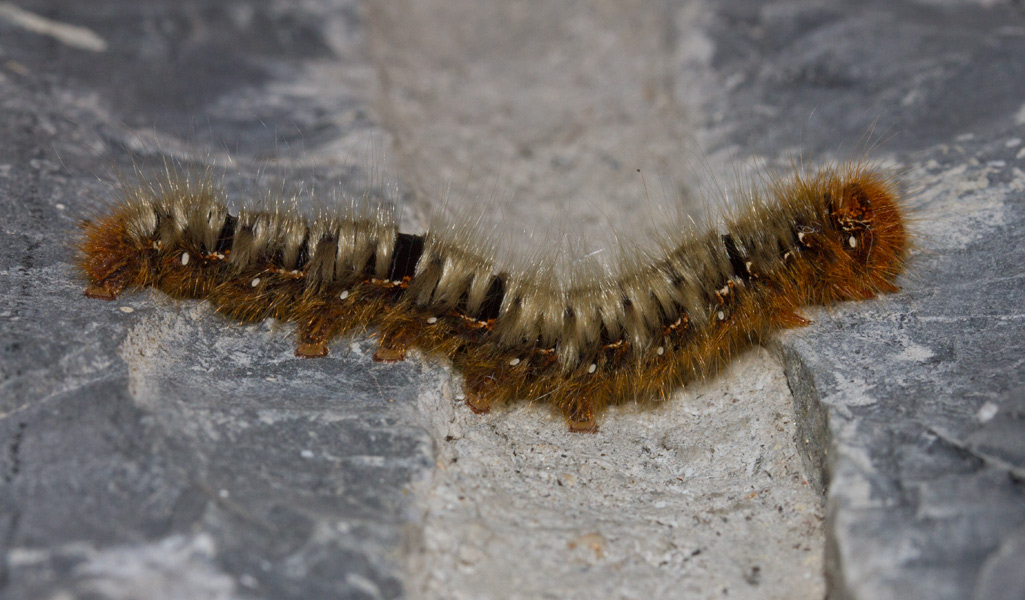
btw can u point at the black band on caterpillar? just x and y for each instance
(636, 334)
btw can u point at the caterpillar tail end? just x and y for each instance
(109, 259)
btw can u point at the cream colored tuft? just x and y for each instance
(337, 243)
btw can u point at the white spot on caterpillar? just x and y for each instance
(800, 236)
(852, 241)
(185, 258)
(725, 290)
(514, 362)
(432, 320)
(255, 282)
(748, 265)
(344, 295)
(592, 368)
(721, 315)
(660, 351)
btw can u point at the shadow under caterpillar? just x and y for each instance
(580, 344)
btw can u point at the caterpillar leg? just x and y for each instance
(311, 349)
(313, 333)
(487, 385)
(392, 348)
(581, 417)
(481, 392)
(581, 396)
(103, 290)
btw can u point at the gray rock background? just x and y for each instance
(150, 450)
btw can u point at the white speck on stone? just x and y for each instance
(913, 352)
(177, 566)
(185, 258)
(127, 309)
(223, 493)
(1011, 143)
(306, 454)
(987, 411)
(363, 584)
(59, 206)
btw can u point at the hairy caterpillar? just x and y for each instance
(581, 344)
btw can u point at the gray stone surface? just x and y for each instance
(151, 450)
(923, 392)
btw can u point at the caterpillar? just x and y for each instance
(581, 343)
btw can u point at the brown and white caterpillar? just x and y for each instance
(579, 343)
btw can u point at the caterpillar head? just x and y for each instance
(868, 229)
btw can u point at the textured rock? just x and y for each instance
(151, 450)
(923, 391)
